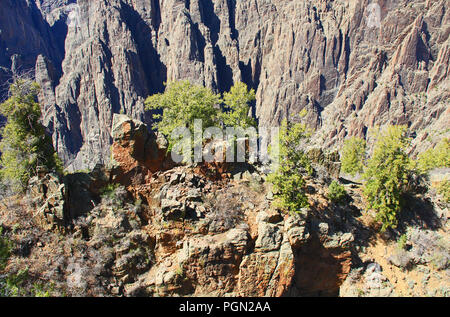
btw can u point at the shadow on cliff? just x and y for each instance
(319, 271)
(83, 191)
(418, 211)
(155, 70)
(212, 21)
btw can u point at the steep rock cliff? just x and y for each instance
(352, 64)
(24, 34)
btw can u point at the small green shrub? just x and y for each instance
(436, 157)
(443, 189)
(109, 191)
(401, 243)
(13, 285)
(25, 146)
(41, 290)
(336, 192)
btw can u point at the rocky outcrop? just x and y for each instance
(204, 251)
(48, 196)
(136, 153)
(271, 265)
(172, 231)
(325, 163)
(59, 200)
(181, 233)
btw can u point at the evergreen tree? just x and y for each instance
(237, 105)
(336, 192)
(386, 175)
(24, 146)
(181, 104)
(287, 180)
(438, 156)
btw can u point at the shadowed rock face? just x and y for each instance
(24, 34)
(352, 64)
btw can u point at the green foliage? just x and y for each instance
(291, 136)
(14, 284)
(183, 102)
(18, 285)
(41, 290)
(444, 189)
(336, 192)
(287, 180)
(439, 156)
(386, 175)
(352, 156)
(401, 243)
(109, 191)
(5, 250)
(114, 195)
(25, 147)
(179, 271)
(237, 105)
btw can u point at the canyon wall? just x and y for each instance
(353, 65)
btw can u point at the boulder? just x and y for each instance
(296, 231)
(269, 237)
(266, 274)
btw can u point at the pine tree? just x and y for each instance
(288, 182)
(25, 147)
(386, 175)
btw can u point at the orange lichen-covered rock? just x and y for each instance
(136, 152)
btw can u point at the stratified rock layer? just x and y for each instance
(352, 64)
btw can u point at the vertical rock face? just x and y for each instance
(352, 64)
(24, 34)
